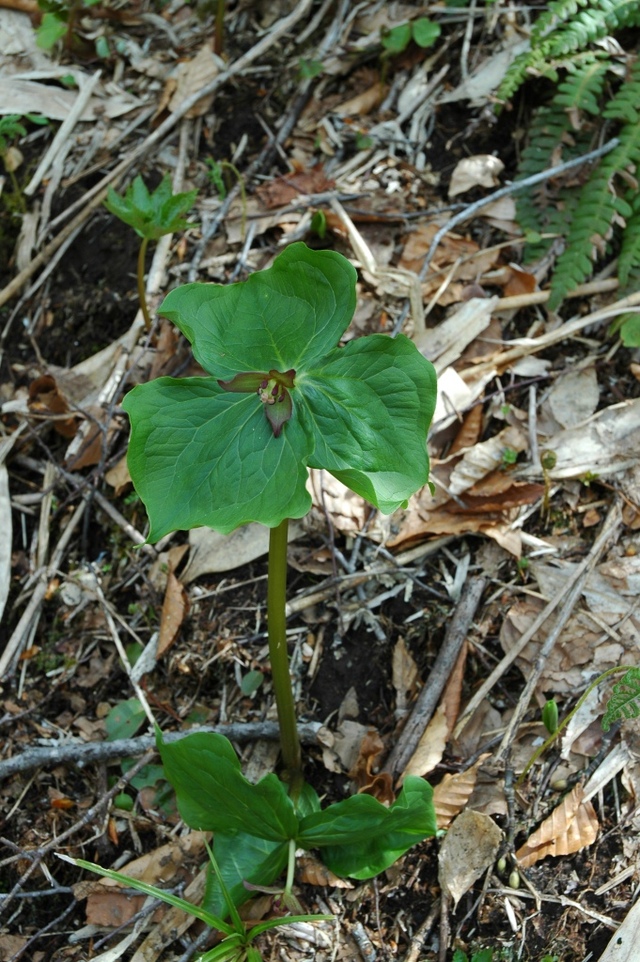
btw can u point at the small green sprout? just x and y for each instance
(152, 215)
(423, 32)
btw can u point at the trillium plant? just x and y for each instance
(281, 396)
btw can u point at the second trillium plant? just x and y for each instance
(281, 396)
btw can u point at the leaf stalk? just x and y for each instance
(276, 625)
(142, 294)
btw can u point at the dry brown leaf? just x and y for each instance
(483, 170)
(175, 608)
(454, 791)
(431, 746)
(363, 103)
(404, 673)
(118, 476)
(284, 189)
(45, 400)
(572, 825)
(191, 76)
(469, 848)
(311, 871)
(470, 430)
(519, 282)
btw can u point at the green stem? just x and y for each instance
(276, 623)
(218, 37)
(142, 294)
(565, 721)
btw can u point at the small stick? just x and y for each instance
(430, 695)
(420, 934)
(511, 188)
(526, 637)
(609, 529)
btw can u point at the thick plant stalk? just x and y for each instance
(276, 624)
(142, 294)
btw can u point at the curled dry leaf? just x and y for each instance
(483, 170)
(572, 825)
(469, 848)
(174, 610)
(311, 871)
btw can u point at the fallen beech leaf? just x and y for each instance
(191, 76)
(469, 848)
(519, 282)
(572, 825)
(470, 431)
(483, 170)
(431, 746)
(574, 396)
(174, 609)
(118, 476)
(454, 791)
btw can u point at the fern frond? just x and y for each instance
(629, 259)
(583, 85)
(624, 105)
(598, 209)
(550, 207)
(567, 26)
(624, 701)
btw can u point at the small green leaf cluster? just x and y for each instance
(151, 214)
(483, 955)
(57, 19)
(257, 826)
(281, 397)
(10, 127)
(423, 32)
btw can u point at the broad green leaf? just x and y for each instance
(360, 839)
(307, 801)
(202, 451)
(397, 39)
(242, 858)
(213, 794)
(285, 317)
(124, 719)
(384, 459)
(425, 32)
(52, 28)
(202, 456)
(151, 214)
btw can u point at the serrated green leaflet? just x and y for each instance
(202, 451)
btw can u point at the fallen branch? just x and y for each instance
(85, 754)
(438, 676)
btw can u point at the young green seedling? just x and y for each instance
(151, 215)
(281, 397)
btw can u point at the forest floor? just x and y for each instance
(513, 583)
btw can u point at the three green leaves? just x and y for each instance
(280, 397)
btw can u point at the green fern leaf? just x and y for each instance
(629, 260)
(592, 224)
(624, 701)
(549, 208)
(566, 27)
(582, 88)
(624, 105)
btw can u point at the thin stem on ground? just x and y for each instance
(142, 294)
(276, 623)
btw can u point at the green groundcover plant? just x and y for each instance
(280, 396)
